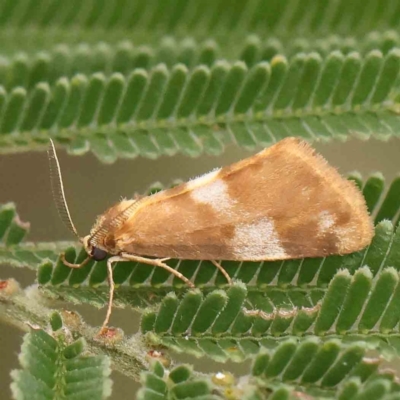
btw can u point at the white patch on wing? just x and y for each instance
(325, 221)
(257, 240)
(214, 194)
(348, 235)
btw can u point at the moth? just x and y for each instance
(283, 203)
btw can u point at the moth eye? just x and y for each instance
(98, 254)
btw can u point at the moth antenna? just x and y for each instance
(58, 190)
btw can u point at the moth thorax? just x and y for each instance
(109, 242)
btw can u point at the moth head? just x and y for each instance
(102, 235)
(94, 252)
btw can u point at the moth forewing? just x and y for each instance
(285, 202)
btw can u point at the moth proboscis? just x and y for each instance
(285, 202)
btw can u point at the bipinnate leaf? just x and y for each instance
(154, 21)
(25, 308)
(359, 306)
(166, 110)
(182, 382)
(194, 80)
(330, 369)
(122, 56)
(55, 368)
(14, 249)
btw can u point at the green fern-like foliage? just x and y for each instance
(14, 250)
(169, 110)
(153, 19)
(234, 324)
(182, 91)
(153, 78)
(53, 367)
(27, 70)
(321, 370)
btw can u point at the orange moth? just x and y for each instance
(285, 202)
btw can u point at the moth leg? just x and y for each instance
(110, 278)
(131, 257)
(71, 265)
(158, 263)
(224, 273)
(110, 261)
